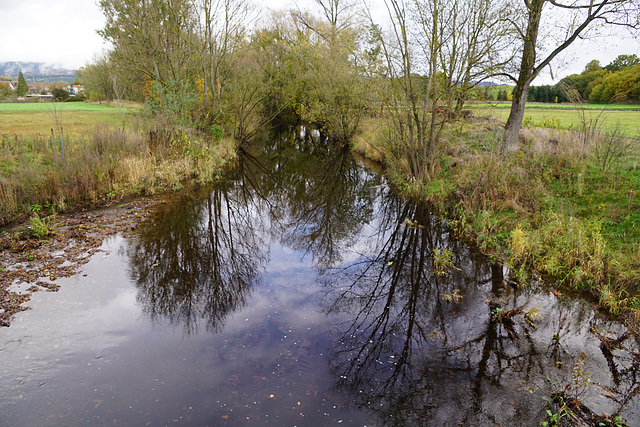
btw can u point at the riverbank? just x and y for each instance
(53, 174)
(554, 211)
(298, 260)
(63, 188)
(70, 242)
(551, 211)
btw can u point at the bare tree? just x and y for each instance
(579, 16)
(454, 45)
(221, 31)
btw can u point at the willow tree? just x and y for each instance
(151, 38)
(573, 18)
(336, 87)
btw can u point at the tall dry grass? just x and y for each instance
(99, 166)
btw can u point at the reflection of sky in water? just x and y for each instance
(370, 340)
(97, 360)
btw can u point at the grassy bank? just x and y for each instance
(95, 161)
(560, 211)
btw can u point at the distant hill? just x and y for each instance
(488, 84)
(36, 72)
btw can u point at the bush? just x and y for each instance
(172, 103)
(41, 227)
(60, 94)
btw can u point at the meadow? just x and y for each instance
(57, 157)
(568, 116)
(75, 118)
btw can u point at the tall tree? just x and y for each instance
(23, 87)
(151, 38)
(455, 45)
(581, 15)
(221, 30)
(475, 43)
(100, 78)
(335, 84)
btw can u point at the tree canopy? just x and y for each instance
(332, 64)
(22, 89)
(618, 81)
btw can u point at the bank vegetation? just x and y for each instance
(555, 206)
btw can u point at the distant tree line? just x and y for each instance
(21, 89)
(546, 93)
(617, 82)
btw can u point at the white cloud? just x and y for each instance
(56, 32)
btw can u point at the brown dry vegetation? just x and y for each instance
(101, 165)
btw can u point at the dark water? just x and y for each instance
(301, 291)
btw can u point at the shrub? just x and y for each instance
(41, 227)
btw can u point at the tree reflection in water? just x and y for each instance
(324, 196)
(411, 351)
(414, 354)
(197, 258)
(200, 254)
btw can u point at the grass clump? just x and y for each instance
(41, 227)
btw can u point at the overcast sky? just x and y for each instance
(63, 32)
(59, 32)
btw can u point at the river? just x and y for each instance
(302, 290)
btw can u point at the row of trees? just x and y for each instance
(547, 93)
(22, 89)
(618, 81)
(213, 62)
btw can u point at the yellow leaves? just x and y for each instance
(412, 224)
(455, 296)
(518, 243)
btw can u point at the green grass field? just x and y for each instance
(75, 118)
(597, 107)
(565, 116)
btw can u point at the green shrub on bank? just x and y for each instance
(571, 250)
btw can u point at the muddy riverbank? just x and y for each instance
(32, 264)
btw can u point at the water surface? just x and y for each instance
(301, 291)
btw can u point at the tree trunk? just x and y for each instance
(526, 75)
(514, 122)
